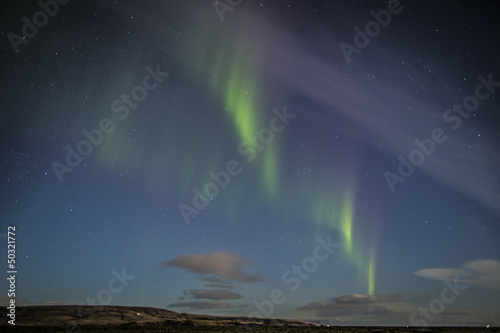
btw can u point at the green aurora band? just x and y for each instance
(229, 71)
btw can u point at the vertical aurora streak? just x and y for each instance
(229, 70)
(338, 214)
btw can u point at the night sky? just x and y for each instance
(326, 161)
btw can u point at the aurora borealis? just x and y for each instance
(238, 166)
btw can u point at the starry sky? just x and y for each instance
(334, 162)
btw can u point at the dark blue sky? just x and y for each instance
(308, 160)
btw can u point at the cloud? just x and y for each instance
(382, 310)
(331, 309)
(21, 301)
(201, 305)
(214, 294)
(458, 313)
(357, 305)
(216, 267)
(372, 299)
(483, 272)
(220, 285)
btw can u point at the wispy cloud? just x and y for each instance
(372, 299)
(219, 285)
(357, 305)
(331, 309)
(383, 310)
(320, 78)
(21, 301)
(216, 267)
(482, 272)
(201, 305)
(4, 301)
(214, 294)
